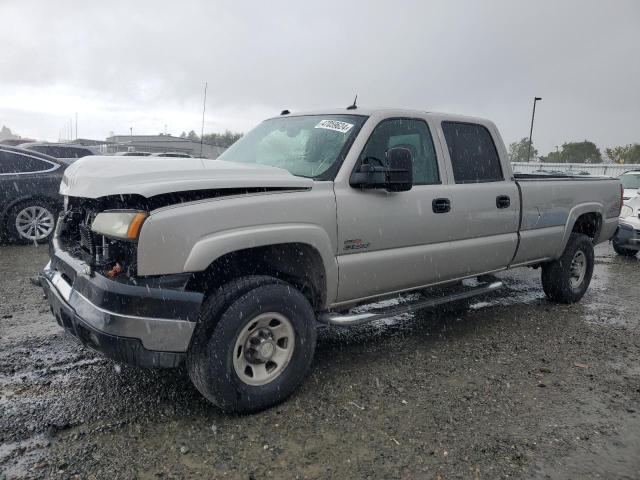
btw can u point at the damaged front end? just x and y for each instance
(95, 294)
(106, 245)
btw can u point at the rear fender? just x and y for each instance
(574, 214)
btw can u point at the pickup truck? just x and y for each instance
(228, 266)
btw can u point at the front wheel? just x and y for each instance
(566, 279)
(254, 352)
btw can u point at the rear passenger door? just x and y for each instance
(484, 204)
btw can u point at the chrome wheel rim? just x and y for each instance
(34, 223)
(263, 348)
(578, 269)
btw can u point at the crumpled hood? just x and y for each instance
(100, 176)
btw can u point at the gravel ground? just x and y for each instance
(513, 387)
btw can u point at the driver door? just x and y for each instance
(390, 241)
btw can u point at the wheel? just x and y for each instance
(254, 344)
(626, 252)
(31, 221)
(566, 279)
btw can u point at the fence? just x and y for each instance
(608, 169)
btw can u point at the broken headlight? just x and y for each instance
(120, 224)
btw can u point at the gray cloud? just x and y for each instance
(146, 62)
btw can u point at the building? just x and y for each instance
(161, 143)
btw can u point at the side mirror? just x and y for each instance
(396, 176)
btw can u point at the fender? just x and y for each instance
(574, 213)
(209, 248)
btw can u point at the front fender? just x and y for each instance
(211, 247)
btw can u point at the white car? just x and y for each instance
(631, 184)
(627, 238)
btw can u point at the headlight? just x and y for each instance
(626, 211)
(122, 224)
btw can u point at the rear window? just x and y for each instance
(61, 152)
(14, 163)
(473, 154)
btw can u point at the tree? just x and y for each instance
(552, 157)
(193, 136)
(183, 135)
(518, 151)
(580, 152)
(225, 139)
(624, 154)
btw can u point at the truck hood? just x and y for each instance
(100, 176)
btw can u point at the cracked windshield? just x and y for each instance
(292, 240)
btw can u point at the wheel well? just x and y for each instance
(588, 224)
(296, 263)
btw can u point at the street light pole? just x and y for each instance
(533, 115)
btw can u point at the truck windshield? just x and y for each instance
(630, 180)
(306, 146)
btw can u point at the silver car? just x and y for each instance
(627, 238)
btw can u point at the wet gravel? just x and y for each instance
(514, 387)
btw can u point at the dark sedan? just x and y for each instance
(29, 199)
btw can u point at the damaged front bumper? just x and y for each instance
(627, 236)
(148, 324)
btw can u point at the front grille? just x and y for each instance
(97, 251)
(86, 239)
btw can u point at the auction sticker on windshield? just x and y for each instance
(335, 125)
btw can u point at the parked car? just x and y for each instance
(29, 198)
(631, 183)
(60, 150)
(228, 265)
(133, 154)
(172, 154)
(627, 238)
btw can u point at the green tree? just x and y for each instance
(580, 152)
(624, 154)
(518, 151)
(193, 136)
(552, 157)
(183, 135)
(225, 139)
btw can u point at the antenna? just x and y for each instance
(204, 106)
(353, 106)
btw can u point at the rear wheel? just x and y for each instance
(253, 350)
(625, 252)
(31, 221)
(566, 279)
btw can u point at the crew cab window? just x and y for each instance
(14, 163)
(412, 134)
(474, 157)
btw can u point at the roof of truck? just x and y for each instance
(370, 111)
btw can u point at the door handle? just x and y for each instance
(503, 201)
(441, 205)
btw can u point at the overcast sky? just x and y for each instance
(123, 64)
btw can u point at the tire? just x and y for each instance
(566, 279)
(18, 228)
(625, 252)
(225, 342)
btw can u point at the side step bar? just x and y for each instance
(350, 319)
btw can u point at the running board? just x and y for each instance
(350, 319)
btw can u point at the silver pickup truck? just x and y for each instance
(229, 265)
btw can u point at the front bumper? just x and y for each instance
(148, 325)
(627, 237)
